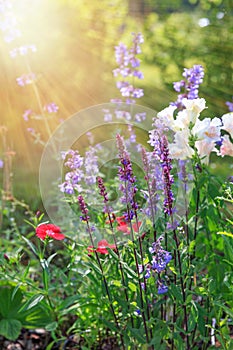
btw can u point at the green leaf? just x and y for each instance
(176, 293)
(10, 328)
(137, 335)
(96, 268)
(228, 248)
(113, 254)
(110, 325)
(50, 258)
(51, 326)
(129, 270)
(11, 305)
(225, 308)
(69, 301)
(132, 287)
(33, 301)
(33, 248)
(225, 234)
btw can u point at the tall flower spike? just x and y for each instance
(167, 177)
(83, 209)
(128, 65)
(125, 174)
(189, 86)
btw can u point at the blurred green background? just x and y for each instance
(75, 42)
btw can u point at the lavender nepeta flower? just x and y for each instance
(72, 178)
(147, 274)
(128, 65)
(189, 86)
(91, 166)
(27, 113)
(31, 131)
(107, 115)
(161, 257)
(139, 117)
(162, 289)
(51, 107)
(230, 105)
(22, 50)
(1, 163)
(122, 115)
(26, 79)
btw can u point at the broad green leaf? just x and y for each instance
(10, 306)
(10, 328)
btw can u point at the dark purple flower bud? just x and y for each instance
(83, 209)
(102, 189)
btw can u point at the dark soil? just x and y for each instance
(39, 339)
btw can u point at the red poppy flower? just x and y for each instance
(49, 230)
(102, 247)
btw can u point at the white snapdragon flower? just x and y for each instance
(190, 114)
(165, 117)
(226, 148)
(227, 120)
(180, 149)
(208, 131)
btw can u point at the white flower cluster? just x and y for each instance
(208, 135)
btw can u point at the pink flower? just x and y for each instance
(49, 230)
(123, 226)
(102, 247)
(226, 148)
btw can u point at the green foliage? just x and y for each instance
(16, 312)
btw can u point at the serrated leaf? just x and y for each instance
(10, 328)
(10, 306)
